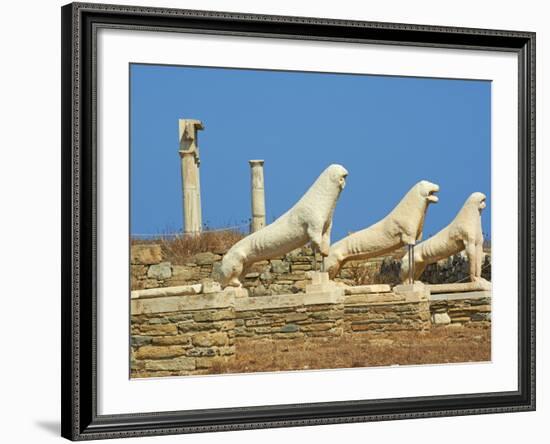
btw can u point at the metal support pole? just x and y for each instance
(314, 258)
(412, 263)
(409, 248)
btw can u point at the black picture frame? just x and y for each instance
(79, 174)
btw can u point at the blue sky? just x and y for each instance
(389, 133)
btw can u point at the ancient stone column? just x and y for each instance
(258, 195)
(190, 175)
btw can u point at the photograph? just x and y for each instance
(275, 220)
(300, 220)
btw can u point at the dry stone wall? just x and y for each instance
(454, 269)
(174, 335)
(290, 316)
(386, 312)
(192, 330)
(287, 274)
(461, 310)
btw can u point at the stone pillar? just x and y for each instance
(258, 195)
(190, 174)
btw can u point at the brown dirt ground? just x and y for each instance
(437, 346)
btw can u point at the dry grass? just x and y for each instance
(437, 346)
(360, 273)
(180, 248)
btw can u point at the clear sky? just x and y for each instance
(388, 132)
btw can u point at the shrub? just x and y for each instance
(177, 249)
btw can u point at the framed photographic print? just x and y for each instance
(279, 221)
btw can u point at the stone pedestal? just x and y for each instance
(413, 292)
(367, 289)
(190, 161)
(462, 287)
(258, 194)
(237, 292)
(321, 283)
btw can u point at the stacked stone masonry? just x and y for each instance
(287, 274)
(190, 340)
(192, 329)
(462, 310)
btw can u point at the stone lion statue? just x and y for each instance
(402, 226)
(463, 233)
(309, 220)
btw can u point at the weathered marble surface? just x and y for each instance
(463, 233)
(402, 226)
(191, 187)
(461, 287)
(309, 220)
(257, 193)
(178, 290)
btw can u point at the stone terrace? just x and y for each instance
(190, 330)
